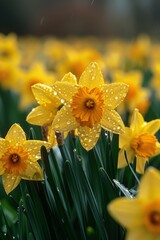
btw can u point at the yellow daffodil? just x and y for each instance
(36, 74)
(18, 158)
(89, 105)
(140, 215)
(139, 141)
(44, 114)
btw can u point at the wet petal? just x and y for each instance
(149, 188)
(112, 121)
(137, 121)
(114, 94)
(16, 135)
(141, 233)
(64, 121)
(40, 116)
(33, 147)
(10, 182)
(89, 136)
(127, 212)
(92, 76)
(140, 164)
(65, 90)
(69, 78)
(3, 146)
(1, 168)
(152, 127)
(43, 93)
(32, 172)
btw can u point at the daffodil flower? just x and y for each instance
(139, 141)
(44, 114)
(18, 158)
(140, 215)
(89, 105)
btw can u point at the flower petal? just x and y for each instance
(141, 233)
(149, 187)
(65, 90)
(89, 136)
(112, 121)
(16, 135)
(125, 138)
(1, 168)
(44, 94)
(33, 147)
(32, 172)
(70, 78)
(121, 157)
(92, 76)
(3, 146)
(40, 116)
(127, 212)
(114, 94)
(64, 121)
(137, 121)
(10, 182)
(140, 164)
(152, 127)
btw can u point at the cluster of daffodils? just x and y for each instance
(85, 90)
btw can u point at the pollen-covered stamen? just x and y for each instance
(144, 145)
(90, 104)
(14, 158)
(152, 216)
(87, 106)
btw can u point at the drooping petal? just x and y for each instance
(64, 121)
(89, 136)
(10, 182)
(137, 121)
(70, 78)
(3, 146)
(32, 147)
(15, 135)
(43, 93)
(140, 164)
(32, 172)
(40, 116)
(152, 127)
(112, 121)
(114, 94)
(65, 90)
(141, 233)
(127, 212)
(149, 188)
(92, 76)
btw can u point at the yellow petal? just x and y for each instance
(92, 76)
(16, 135)
(89, 136)
(114, 94)
(125, 138)
(140, 164)
(33, 147)
(152, 127)
(64, 121)
(33, 172)
(3, 146)
(141, 233)
(65, 90)
(44, 94)
(137, 121)
(10, 182)
(121, 157)
(149, 188)
(40, 116)
(1, 168)
(127, 212)
(70, 78)
(112, 121)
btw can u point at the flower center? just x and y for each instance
(14, 160)
(144, 145)
(152, 216)
(132, 92)
(87, 106)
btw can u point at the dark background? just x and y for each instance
(124, 18)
